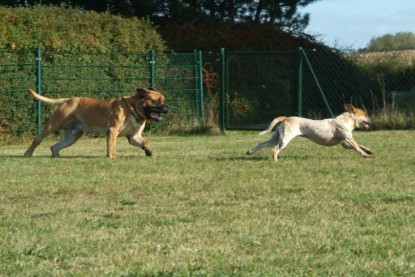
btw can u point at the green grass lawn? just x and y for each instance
(200, 207)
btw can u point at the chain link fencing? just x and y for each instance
(98, 75)
(258, 86)
(244, 90)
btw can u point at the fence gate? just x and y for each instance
(257, 86)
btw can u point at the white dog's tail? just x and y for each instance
(46, 99)
(272, 124)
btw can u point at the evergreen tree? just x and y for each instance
(281, 13)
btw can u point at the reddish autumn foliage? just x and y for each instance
(211, 36)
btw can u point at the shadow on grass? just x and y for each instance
(50, 157)
(240, 158)
(71, 157)
(264, 158)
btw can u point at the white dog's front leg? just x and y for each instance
(350, 143)
(367, 150)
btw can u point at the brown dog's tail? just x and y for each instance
(46, 99)
(272, 124)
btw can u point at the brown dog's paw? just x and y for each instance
(148, 152)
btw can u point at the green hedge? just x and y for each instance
(59, 30)
(63, 28)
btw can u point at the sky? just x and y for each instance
(351, 24)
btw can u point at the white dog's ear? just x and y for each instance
(349, 108)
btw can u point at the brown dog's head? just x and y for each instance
(152, 103)
(362, 120)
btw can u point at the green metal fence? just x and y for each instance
(100, 75)
(258, 86)
(329, 80)
(253, 87)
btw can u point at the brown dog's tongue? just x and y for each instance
(155, 116)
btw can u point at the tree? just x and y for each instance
(398, 41)
(283, 14)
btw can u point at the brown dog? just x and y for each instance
(125, 116)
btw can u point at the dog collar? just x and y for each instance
(133, 111)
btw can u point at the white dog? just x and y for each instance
(328, 132)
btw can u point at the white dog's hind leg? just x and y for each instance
(269, 143)
(275, 152)
(284, 140)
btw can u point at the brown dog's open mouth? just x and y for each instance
(366, 124)
(155, 116)
(154, 113)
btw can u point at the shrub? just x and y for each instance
(83, 54)
(52, 28)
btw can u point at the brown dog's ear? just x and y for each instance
(349, 108)
(140, 92)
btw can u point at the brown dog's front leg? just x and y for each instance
(111, 143)
(142, 143)
(147, 151)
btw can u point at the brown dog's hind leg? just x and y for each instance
(50, 127)
(59, 117)
(36, 141)
(70, 136)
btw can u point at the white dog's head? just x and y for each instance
(362, 120)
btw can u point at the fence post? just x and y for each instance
(300, 82)
(39, 88)
(222, 90)
(317, 83)
(152, 71)
(200, 67)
